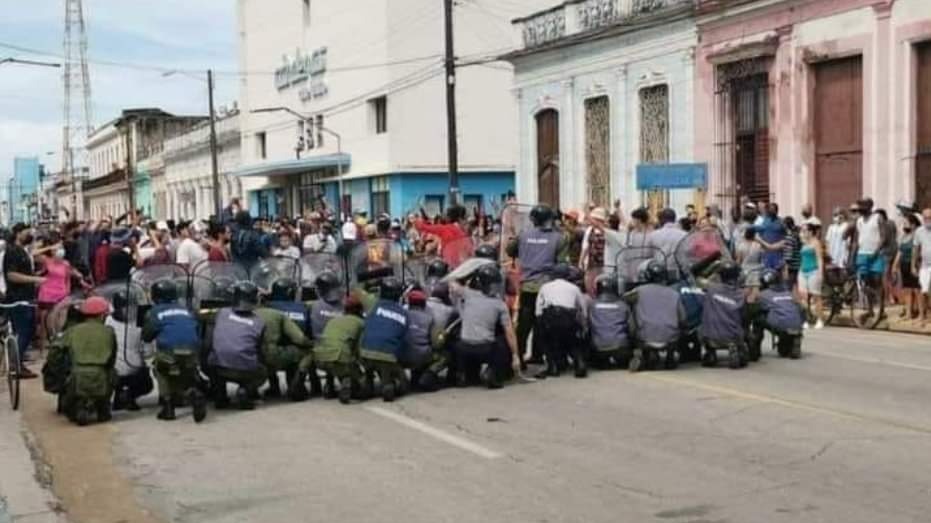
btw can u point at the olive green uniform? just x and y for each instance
(91, 346)
(337, 350)
(284, 345)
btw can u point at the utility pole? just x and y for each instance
(130, 185)
(217, 204)
(451, 106)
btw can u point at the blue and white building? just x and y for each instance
(23, 189)
(370, 74)
(605, 87)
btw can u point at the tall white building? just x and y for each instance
(371, 71)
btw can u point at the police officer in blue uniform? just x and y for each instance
(236, 353)
(659, 319)
(537, 250)
(724, 317)
(609, 324)
(779, 313)
(177, 343)
(386, 326)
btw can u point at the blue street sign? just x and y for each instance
(672, 176)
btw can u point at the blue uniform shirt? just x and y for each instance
(385, 331)
(174, 327)
(295, 312)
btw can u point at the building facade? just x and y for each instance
(125, 163)
(368, 85)
(819, 101)
(23, 189)
(189, 173)
(604, 86)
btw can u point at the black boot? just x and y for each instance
(244, 400)
(316, 390)
(103, 411)
(329, 390)
(345, 390)
(167, 413)
(581, 368)
(221, 399)
(274, 387)
(198, 404)
(119, 400)
(132, 406)
(388, 390)
(297, 390)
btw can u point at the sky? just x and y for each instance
(159, 35)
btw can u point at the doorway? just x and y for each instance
(548, 158)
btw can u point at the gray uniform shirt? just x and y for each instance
(236, 340)
(658, 313)
(782, 311)
(609, 320)
(418, 347)
(722, 314)
(481, 316)
(321, 312)
(537, 251)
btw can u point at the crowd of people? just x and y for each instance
(561, 281)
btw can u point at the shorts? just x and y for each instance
(870, 265)
(810, 283)
(924, 279)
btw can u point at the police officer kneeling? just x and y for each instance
(609, 324)
(561, 312)
(285, 342)
(780, 314)
(236, 353)
(724, 316)
(177, 344)
(485, 319)
(659, 320)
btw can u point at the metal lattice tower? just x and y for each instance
(77, 97)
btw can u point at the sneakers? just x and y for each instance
(806, 326)
(819, 325)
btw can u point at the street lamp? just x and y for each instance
(215, 172)
(334, 134)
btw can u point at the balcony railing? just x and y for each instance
(579, 16)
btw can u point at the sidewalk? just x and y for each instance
(892, 323)
(24, 493)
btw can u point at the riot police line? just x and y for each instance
(369, 323)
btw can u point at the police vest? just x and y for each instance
(782, 311)
(237, 340)
(609, 321)
(537, 252)
(295, 312)
(176, 327)
(321, 312)
(657, 314)
(418, 347)
(385, 329)
(722, 314)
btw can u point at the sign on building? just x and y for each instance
(652, 177)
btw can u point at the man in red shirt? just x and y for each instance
(456, 244)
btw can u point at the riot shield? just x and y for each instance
(515, 219)
(269, 270)
(374, 259)
(415, 269)
(699, 253)
(631, 263)
(138, 303)
(212, 283)
(147, 276)
(57, 318)
(315, 263)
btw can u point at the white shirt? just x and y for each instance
(289, 252)
(131, 352)
(190, 253)
(560, 293)
(349, 231)
(837, 245)
(868, 235)
(2, 279)
(319, 243)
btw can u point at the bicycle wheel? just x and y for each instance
(13, 368)
(866, 307)
(833, 300)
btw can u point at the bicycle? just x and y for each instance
(10, 363)
(866, 300)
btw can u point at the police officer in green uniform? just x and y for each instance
(236, 352)
(177, 344)
(91, 346)
(284, 343)
(336, 351)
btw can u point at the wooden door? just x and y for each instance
(548, 158)
(923, 153)
(838, 112)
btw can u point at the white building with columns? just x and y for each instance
(604, 86)
(188, 176)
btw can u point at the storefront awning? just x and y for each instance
(286, 167)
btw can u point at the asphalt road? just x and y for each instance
(842, 435)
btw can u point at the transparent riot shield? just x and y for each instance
(699, 254)
(375, 259)
(631, 263)
(57, 318)
(415, 269)
(515, 219)
(269, 270)
(128, 329)
(147, 276)
(315, 263)
(212, 283)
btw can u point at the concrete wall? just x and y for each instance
(882, 32)
(618, 67)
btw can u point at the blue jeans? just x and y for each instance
(23, 319)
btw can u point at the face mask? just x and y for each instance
(60, 253)
(837, 219)
(27, 239)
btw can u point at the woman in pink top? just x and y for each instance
(57, 285)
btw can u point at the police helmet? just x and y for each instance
(441, 292)
(655, 272)
(284, 289)
(576, 276)
(245, 296)
(729, 271)
(606, 286)
(120, 302)
(327, 285)
(164, 291)
(487, 278)
(437, 269)
(390, 289)
(487, 252)
(561, 271)
(541, 216)
(770, 278)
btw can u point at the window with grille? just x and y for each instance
(598, 150)
(379, 108)
(654, 124)
(381, 201)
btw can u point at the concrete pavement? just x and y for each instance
(842, 435)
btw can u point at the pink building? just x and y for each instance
(817, 101)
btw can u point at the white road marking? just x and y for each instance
(436, 433)
(878, 361)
